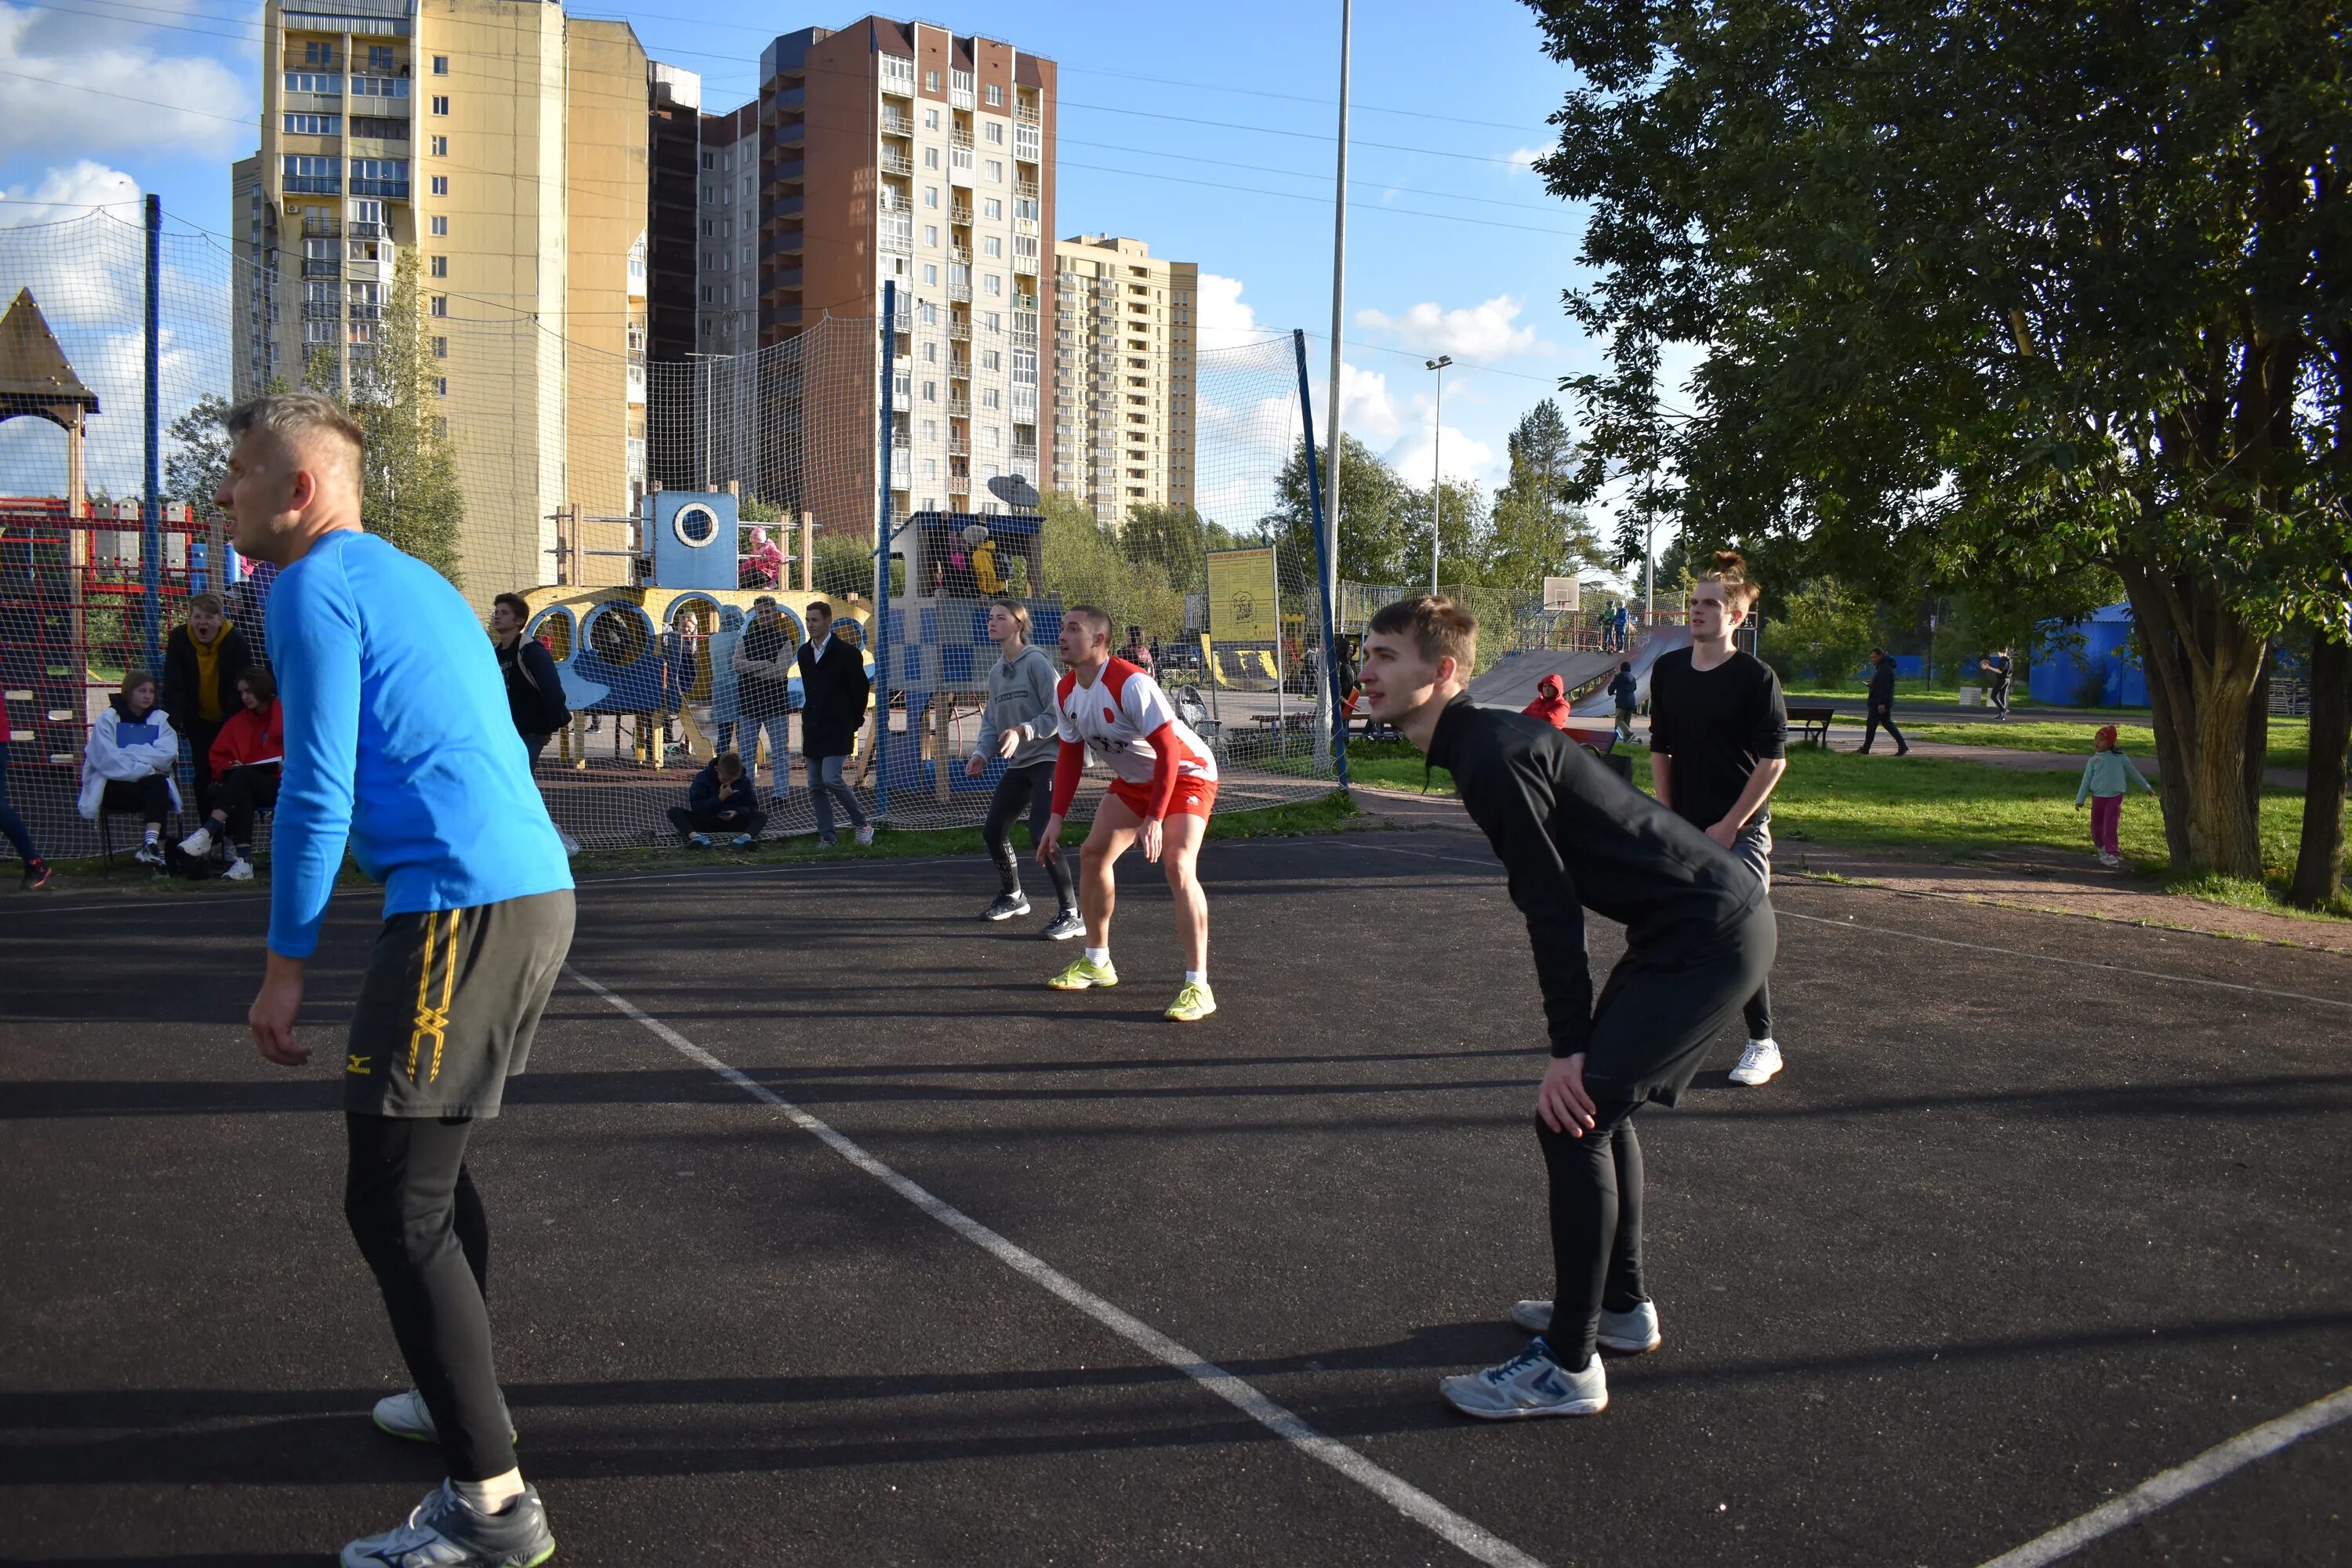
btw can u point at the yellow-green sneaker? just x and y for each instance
(1085, 973)
(1192, 1004)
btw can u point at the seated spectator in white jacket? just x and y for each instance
(127, 766)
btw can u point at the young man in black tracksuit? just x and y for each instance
(1573, 836)
(1880, 704)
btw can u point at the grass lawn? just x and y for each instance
(2290, 739)
(1912, 691)
(1948, 809)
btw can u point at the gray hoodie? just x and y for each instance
(1021, 698)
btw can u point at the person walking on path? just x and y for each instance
(1718, 744)
(36, 871)
(1019, 727)
(399, 742)
(2000, 667)
(1878, 708)
(201, 659)
(765, 696)
(1163, 786)
(1699, 937)
(2107, 777)
(834, 691)
(1626, 693)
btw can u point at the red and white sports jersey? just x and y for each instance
(1115, 718)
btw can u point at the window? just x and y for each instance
(439, 306)
(709, 160)
(930, 354)
(931, 81)
(1026, 207)
(996, 96)
(440, 348)
(440, 65)
(995, 129)
(931, 119)
(318, 55)
(995, 170)
(440, 146)
(747, 256)
(440, 103)
(309, 81)
(931, 468)
(991, 321)
(931, 157)
(930, 274)
(990, 398)
(705, 294)
(991, 245)
(314, 125)
(991, 209)
(379, 87)
(380, 177)
(930, 429)
(440, 386)
(930, 392)
(991, 283)
(440, 227)
(380, 60)
(988, 436)
(440, 267)
(927, 313)
(930, 195)
(440, 185)
(989, 359)
(304, 172)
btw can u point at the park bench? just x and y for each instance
(1812, 721)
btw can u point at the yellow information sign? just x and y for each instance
(1244, 603)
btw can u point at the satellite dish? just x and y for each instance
(1014, 492)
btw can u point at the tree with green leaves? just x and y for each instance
(1373, 503)
(1537, 531)
(2013, 291)
(1084, 564)
(197, 458)
(1177, 540)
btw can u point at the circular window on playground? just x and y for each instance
(618, 635)
(695, 524)
(553, 627)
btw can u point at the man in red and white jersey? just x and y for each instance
(1163, 782)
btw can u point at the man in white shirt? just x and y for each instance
(1163, 784)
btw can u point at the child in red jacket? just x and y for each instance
(1551, 702)
(245, 760)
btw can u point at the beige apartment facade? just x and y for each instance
(504, 143)
(1124, 376)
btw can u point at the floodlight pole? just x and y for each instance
(1338, 323)
(1437, 467)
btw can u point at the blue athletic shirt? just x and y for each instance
(398, 739)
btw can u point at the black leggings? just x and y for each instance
(1596, 1224)
(1032, 786)
(240, 792)
(150, 797)
(420, 1225)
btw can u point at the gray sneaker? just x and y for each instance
(1528, 1384)
(1006, 906)
(1627, 1333)
(403, 1415)
(1067, 924)
(446, 1532)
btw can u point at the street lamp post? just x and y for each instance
(1437, 469)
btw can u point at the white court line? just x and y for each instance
(1472, 1540)
(2160, 1491)
(1969, 946)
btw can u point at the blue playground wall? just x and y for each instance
(2059, 677)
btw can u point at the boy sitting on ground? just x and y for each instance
(719, 800)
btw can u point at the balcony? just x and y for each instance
(896, 234)
(789, 100)
(960, 253)
(898, 161)
(960, 292)
(1028, 143)
(313, 185)
(958, 405)
(1024, 301)
(960, 89)
(329, 269)
(323, 310)
(960, 213)
(1028, 111)
(363, 312)
(960, 329)
(774, 208)
(896, 122)
(899, 76)
(960, 445)
(365, 229)
(320, 227)
(1025, 187)
(959, 367)
(1024, 452)
(788, 243)
(788, 171)
(1023, 265)
(786, 135)
(397, 190)
(784, 277)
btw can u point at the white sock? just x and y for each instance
(154, 834)
(493, 1495)
(1196, 977)
(1098, 955)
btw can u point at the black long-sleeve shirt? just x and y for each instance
(1573, 836)
(1882, 684)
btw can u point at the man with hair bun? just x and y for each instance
(1573, 836)
(1718, 744)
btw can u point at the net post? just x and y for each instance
(150, 532)
(882, 557)
(1325, 567)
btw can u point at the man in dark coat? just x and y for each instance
(1880, 704)
(833, 690)
(535, 698)
(201, 659)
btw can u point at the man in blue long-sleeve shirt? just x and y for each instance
(399, 744)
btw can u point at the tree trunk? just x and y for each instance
(2258, 749)
(2203, 663)
(2319, 865)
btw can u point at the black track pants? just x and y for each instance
(420, 1225)
(1031, 787)
(1596, 1224)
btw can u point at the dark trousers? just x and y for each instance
(420, 1225)
(1030, 788)
(201, 736)
(2000, 697)
(686, 819)
(1876, 717)
(240, 794)
(10, 822)
(1596, 1224)
(150, 797)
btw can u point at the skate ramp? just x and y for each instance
(1661, 639)
(1511, 683)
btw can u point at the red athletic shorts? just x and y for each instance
(1194, 794)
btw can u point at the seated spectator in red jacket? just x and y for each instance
(1551, 702)
(245, 760)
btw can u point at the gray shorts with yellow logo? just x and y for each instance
(449, 1003)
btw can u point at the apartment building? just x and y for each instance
(727, 276)
(1123, 374)
(508, 144)
(900, 152)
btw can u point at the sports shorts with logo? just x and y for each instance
(1193, 796)
(449, 1003)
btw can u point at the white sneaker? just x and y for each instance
(197, 845)
(2110, 861)
(148, 855)
(1627, 1333)
(1530, 1384)
(1757, 1063)
(239, 871)
(865, 833)
(403, 1415)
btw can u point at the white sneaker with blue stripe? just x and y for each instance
(1528, 1384)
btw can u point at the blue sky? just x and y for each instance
(1212, 141)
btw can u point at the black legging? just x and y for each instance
(240, 792)
(419, 1223)
(1032, 786)
(1596, 1224)
(1871, 721)
(150, 797)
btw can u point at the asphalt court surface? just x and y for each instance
(2006, 1239)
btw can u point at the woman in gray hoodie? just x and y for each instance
(1022, 727)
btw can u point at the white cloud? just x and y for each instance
(1523, 160)
(40, 117)
(1224, 319)
(1466, 458)
(1486, 331)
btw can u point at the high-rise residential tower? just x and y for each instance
(900, 152)
(506, 145)
(1124, 374)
